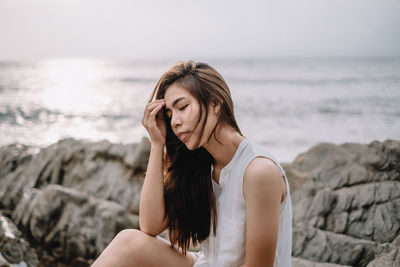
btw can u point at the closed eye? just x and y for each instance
(182, 108)
(168, 112)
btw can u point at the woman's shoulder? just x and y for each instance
(261, 169)
(262, 157)
(262, 172)
(262, 178)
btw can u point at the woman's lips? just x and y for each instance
(184, 136)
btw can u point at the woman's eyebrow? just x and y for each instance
(175, 102)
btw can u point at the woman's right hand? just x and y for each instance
(154, 122)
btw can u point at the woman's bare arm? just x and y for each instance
(263, 190)
(151, 209)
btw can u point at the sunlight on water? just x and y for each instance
(288, 105)
(73, 97)
(73, 86)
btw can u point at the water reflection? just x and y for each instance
(288, 105)
(73, 86)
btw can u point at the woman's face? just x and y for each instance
(184, 111)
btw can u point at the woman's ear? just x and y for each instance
(216, 107)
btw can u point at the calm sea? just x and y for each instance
(287, 105)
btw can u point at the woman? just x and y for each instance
(205, 182)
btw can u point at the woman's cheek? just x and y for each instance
(189, 113)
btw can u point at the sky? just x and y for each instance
(129, 29)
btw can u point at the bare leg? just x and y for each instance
(133, 248)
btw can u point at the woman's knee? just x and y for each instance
(134, 246)
(123, 249)
(132, 239)
(127, 235)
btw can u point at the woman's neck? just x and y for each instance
(223, 152)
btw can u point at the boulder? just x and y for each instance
(299, 262)
(70, 224)
(104, 170)
(348, 207)
(388, 255)
(14, 249)
(70, 199)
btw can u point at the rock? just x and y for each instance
(295, 177)
(13, 247)
(299, 262)
(390, 255)
(324, 246)
(349, 205)
(70, 223)
(71, 198)
(104, 170)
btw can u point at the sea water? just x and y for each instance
(288, 105)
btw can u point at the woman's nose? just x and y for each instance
(175, 121)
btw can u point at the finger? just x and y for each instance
(154, 112)
(150, 115)
(156, 102)
(153, 117)
(151, 107)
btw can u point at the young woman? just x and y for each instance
(206, 183)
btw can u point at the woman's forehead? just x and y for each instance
(174, 93)
(174, 89)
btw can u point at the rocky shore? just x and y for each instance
(62, 205)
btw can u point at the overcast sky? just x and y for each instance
(128, 29)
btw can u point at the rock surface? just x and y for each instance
(71, 224)
(70, 199)
(390, 256)
(348, 210)
(13, 247)
(299, 262)
(104, 170)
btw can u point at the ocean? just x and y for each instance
(288, 105)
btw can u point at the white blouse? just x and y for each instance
(227, 248)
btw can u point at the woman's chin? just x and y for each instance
(190, 144)
(190, 147)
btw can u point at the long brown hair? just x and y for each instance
(190, 207)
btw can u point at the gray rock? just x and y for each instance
(72, 197)
(104, 170)
(299, 262)
(389, 255)
(324, 246)
(296, 178)
(70, 223)
(349, 204)
(14, 249)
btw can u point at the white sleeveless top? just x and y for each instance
(227, 248)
